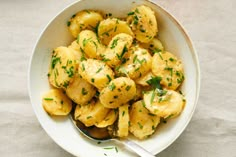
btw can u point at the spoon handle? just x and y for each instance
(138, 149)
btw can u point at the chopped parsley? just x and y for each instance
(112, 86)
(89, 117)
(127, 88)
(99, 69)
(84, 92)
(130, 13)
(123, 113)
(92, 80)
(140, 125)
(114, 43)
(48, 98)
(109, 77)
(55, 60)
(68, 23)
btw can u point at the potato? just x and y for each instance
(62, 67)
(80, 56)
(118, 92)
(138, 64)
(86, 19)
(110, 27)
(108, 120)
(91, 114)
(164, 103)
(123, 121)
(143, 22)
(142, 123)
(117, 49)
(56, 103)
(90, 44)
(169, 68)
(80, 91)
(154, 45)
(143, 80)
(96, 72)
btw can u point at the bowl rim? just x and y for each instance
(189, 43)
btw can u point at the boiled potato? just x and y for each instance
(142, 123)
(86, 19)
(138, 64)
(80, 91)
(143, 80)
(55, 102)
(91, 114)
(164, 103)
(169, 68)
(110, 27)
(80, 56)
(118, 92)
(63, 66)
(143, 22)
(90, 44)
(96, 72)
(123, 121)
(108, 120)
(117, 49)
(154, 45)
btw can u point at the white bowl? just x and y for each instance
(56, 33)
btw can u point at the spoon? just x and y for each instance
(101, 134)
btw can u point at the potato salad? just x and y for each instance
(115, 74)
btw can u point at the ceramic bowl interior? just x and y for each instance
(56, 33)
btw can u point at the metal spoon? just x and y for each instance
(101, 134)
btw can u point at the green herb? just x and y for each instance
(153, 96)
(114, 43)
(48, 98)
(68, 23)
(140, 110)
(107, 32)
(66, 84)
(153, 127)
(143, 103)
(142, 30)
(112, 87)
(85, 41)
(137, 69)
(84, 92)
(125, 49)
(130, 13)
(70, 72)
(136, 10)
(55, 60)
(115, 29)
(116, 149)
(135, 58)
(73, 16)
(62, 102)
(135, 20)
(83, 68)
(150, 114)
(127, 88)
(158, 51)
(77, 40)
(109, 148)
(48, 74)
(171, 59)
(97, 94)
(171, 115)
(99, 69)
(105, 59)
(123, 113)
(115, 97)
(92, 79)
(89, 117)
(140, 125)
(109, 77)
(128, 123)
(155, 82)
(87, 11)
(99, 142)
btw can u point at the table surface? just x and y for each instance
(212, 27)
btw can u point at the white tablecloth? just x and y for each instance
(212, 27)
